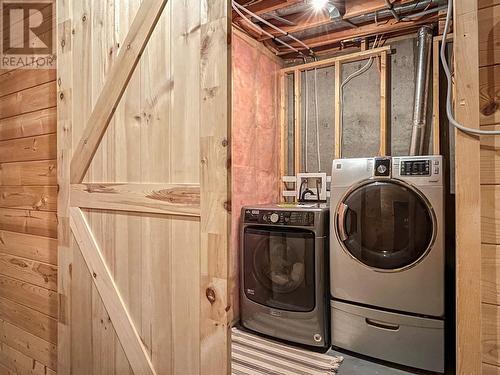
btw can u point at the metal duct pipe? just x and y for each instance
(424, 44)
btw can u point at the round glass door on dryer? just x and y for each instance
(387, 242)
(386, 225)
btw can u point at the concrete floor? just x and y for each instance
(357, 366)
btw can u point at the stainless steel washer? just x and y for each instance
(284, 272)
(387, 259)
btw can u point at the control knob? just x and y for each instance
(274, 218)
(381, 169)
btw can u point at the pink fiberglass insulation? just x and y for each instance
(255, 136)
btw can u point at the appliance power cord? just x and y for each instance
(449, 111)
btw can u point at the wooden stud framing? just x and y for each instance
(283, 128)
(384, 106)
(123, 324)
(338, 106)
(436, 45)
(344, 58)
(435, 97)
(383, 52)
(297, 120)
(137, 38)
(468, 194)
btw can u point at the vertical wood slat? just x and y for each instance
(435, 97)
(64, 153)
(284, 130)
(123, 324)
(338, 112)
(297, 82)
(215, 310)
(384, 106)
(130, 53)
(468, 199)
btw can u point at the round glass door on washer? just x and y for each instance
(387, 267)
(283, 272)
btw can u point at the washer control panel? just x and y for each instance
(415, 168)
(292, 218)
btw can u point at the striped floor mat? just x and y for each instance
(253, 355)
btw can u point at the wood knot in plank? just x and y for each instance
(490, 108)
(19, 263)
(210, 293)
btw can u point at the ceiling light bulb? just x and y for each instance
(319, 4)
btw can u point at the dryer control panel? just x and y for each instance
(415, 168)
(294, 218)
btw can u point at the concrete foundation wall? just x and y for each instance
(361, 109)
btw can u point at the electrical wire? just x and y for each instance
(423, 13)
(264, 31)
(360, 71)
(449, 111)
(265, 22)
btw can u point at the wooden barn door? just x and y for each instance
(143, 174)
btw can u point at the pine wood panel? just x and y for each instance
(30, 320)
(490, 369)
(28, 344)
(487, 3)
(490, 334)
(20, 363)
(490, 278)
(468, 193)
(29, 149)
(490, 158)
(490, 214)
(41, 249)
(39, 173)
(29, 124)
(489, 94)
(153, 138)
(175, 199)
(42, 198)
(39, 223)
(38, 298)
(30, 100)
(36, 273)
(22, 79)
(489, 35)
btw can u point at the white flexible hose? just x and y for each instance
(449, 111)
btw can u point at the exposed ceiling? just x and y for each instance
(350, 23)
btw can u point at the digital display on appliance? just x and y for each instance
(416, 168)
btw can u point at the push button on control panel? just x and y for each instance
(416, 168)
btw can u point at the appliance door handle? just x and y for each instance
(341, 221)
(382, 325)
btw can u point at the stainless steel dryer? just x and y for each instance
(387, 259)
(284, 272)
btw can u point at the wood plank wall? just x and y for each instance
(28, 222)
(489, 92)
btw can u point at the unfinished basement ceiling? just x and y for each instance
(349, 23)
